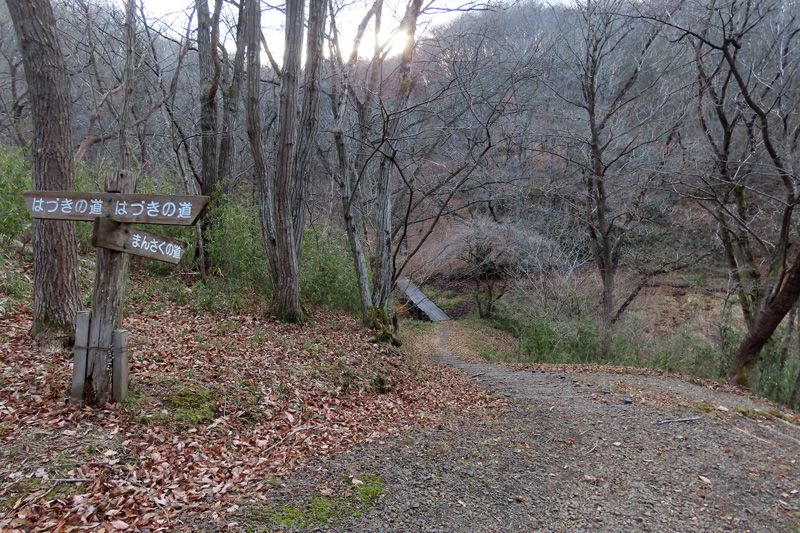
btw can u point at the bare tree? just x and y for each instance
(493, 254)
(746, 57)
(56, 294)
(607, 80)
(282, 206)
(100, 72)
(13, 91)
(409, 132)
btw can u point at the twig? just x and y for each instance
(596, 444)
(680, 420)
(477, 375)
(292, 432)
(70, 480)
(11, 326)
(493, 516)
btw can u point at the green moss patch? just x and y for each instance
(192, 405)
(165, 402)
(358, 494)
(370, 489)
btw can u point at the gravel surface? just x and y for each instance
(572, 452)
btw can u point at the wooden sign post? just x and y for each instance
(100, 345)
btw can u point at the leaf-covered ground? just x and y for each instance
(236, 422)
(221, 408)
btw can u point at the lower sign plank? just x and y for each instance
(136, 241)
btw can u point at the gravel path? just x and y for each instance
(575, 452)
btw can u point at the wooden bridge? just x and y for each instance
(421, 301)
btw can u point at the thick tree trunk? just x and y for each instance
(209, 79)
(56, 294)
(774, 311)
(287, 282)
(293, 145)
(306, 140)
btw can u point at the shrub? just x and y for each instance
(234, 243)
(777, 373)
(327, 274)
(554, 325)
(16, 172)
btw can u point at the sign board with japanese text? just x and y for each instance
(100, 345)
(136, 241)
(131, 208)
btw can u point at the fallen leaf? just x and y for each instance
(704, 479)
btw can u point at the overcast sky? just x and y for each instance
(175, 14)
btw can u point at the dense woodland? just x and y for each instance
(562, 159)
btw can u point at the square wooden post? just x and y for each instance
(79, 360)
(119, 380)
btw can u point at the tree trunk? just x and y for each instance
(602, 248)
(287, 282)
(56, 294)
(351, 168)
(128, 81)
(283, 204)
(384, 264)
(383, 237)
(230, 104)
(352, 220)
(209, 78)
(744, 364)
(306, 140)
(253, 117)
(207, 31)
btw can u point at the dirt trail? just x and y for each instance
(554, 390)
(579, 452)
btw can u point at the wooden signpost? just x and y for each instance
(101, 347)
